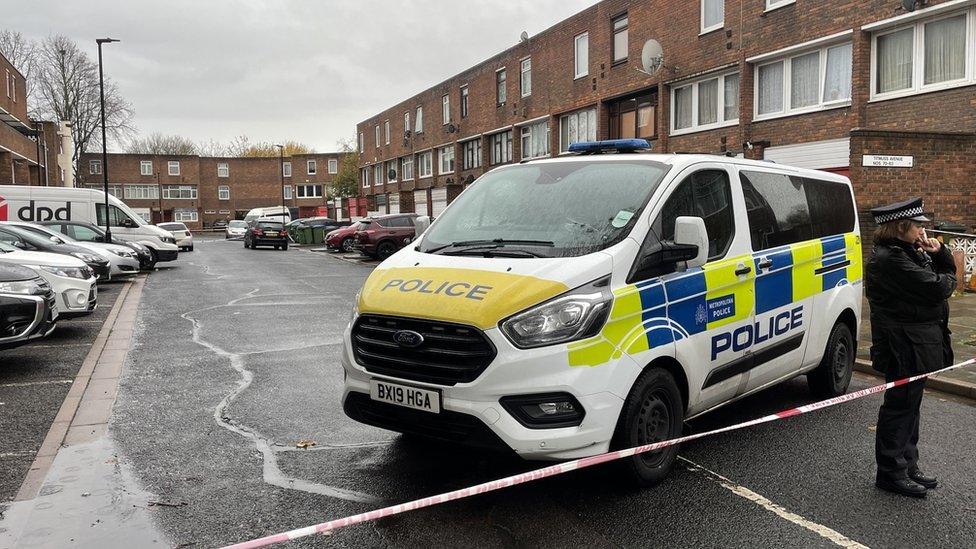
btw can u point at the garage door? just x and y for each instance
(438, 199)
(815, 155)
(420, 202)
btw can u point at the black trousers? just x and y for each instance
(896, 443)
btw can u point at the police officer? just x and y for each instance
(908, 279)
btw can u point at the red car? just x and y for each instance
(343, 238)
(380, 237)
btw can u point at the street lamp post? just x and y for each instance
(101, 91)
(281, 173)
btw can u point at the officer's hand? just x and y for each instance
(930, 245)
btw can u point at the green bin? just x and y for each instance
(318, 235)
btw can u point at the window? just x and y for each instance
(773, 4)
(8, 82)
(446, 162)
(501, 94)
(785, 209)
(223, 192)
(286, 169)
(446, 109)
(391, 171)
(94, 167)
(114, 190)
(406, 168)
(705, 194)
(365, 177)
(62, 174)
(180, 192)
(425, 164)
(333, 166)
(803, 83)
(464, 101)
(362, 147)
(525, 76)
(501, 148)
(581, 63)
(141, 192)
(575, 127)
(115, 215)
(620, 25)
(224, 212)
(712, 15)
(286, 192)
(471, 151)
(173, 167)
(706, 104)
(308, 191)
(535, 140)
(223, 169)
(376, 132)
(185, 215)
(419, 121)
(929, 55)
(310, 167)
(378, 176)
(386, 128)
(406, 124)
(145, 167)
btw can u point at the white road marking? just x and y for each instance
(31, 383)
(827, 533)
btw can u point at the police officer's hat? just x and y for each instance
(909, 209)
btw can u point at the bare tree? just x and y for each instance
(23, 55)
(211, 148)
(67, 89)
(157, 143)
(242, 146)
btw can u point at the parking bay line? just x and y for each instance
(823, 531)
(32, 383)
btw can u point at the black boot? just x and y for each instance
(921, 478)
(901, 486)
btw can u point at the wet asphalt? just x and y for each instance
(235, 361)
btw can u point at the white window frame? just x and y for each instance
(94, 167)
(378, 176)
(168, 192)
(286, 169)
(788, 81)
(376, 132)
(501, 87)
(476, 145)
(386, 129)
(186, 215)
(286, 192)
(425, 164)
(146, 192)
(226, 169)
(777, 4)
(361, 142)
(365, 178)
(404, 162)
(418, 123)
(406, 123)
(525, 133)
(614, 31)
(396, 169)
(301, 191)
(223, 192)
(142, 167)
(918, 58)
(446, 108)
(564, 119)
(333, 166)
(695, 127)
(173, 164)
(464, 96)
(311, 167)
(445, 154)
(718, 26)
(523, 70)
(576, 60)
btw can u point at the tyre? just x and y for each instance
(245, 243)
(190, 249)
(833, 376)
(653, 411)
(385, 250)
(284, 247)
(346, 245)
(277, 247)
(153, 259)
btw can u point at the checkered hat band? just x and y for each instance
(904, 214)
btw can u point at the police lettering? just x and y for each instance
(476, 292)
(747, 336)
(29, 213)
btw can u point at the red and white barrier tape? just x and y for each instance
(568, 466)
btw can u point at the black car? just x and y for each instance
(266, 232)
(28, 241)
(88, 232)
(26, 306)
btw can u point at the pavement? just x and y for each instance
(232, 368)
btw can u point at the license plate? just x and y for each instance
(406, 396)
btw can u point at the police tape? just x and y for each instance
(553, 470)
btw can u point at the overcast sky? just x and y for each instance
(281, 69)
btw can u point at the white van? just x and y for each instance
(280, 213)
(40, 204)
(568, 306)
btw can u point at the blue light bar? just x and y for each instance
(610, 145)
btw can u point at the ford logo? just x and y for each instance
(408, 338)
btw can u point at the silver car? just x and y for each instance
(235, 229)
(184, 239)
(122, 259)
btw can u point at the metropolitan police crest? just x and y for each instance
(701, 317)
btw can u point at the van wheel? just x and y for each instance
(385, 250)
(833, 376)
(653, 412)
(284, 247)
(153, 258)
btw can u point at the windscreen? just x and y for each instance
(237, 224)
(568, 208)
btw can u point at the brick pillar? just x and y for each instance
(406, 202)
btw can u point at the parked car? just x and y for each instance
(28, 309)
(28, 241)
(220, 224)
(266, 232)
(122, 260)
(343, 238)
(235, 229)
(381, 236)
(280, 214)
(183, 236)
(73, 282)
(86, 232)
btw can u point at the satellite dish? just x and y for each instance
(652, 56)
(451, 128)
(524, 37)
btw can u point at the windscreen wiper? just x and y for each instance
(494, 243)
(495, 251)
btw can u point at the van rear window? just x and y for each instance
(270, 225)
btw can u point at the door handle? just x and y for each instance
(765, 263)
(743, 269)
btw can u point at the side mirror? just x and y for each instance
(20, 244)
(127, 223)
(690, 232)
(56, 240)
(421, 224)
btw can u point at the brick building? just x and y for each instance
(200, 190)
(801, 82)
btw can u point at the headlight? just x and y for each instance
(168, 240)
(577, 314)
(124, 253)
(22, 287)
(82, 273)
(87, 258)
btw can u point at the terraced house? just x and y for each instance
(869, 89)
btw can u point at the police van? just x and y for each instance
(565, 307)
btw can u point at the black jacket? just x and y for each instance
(907, 290)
